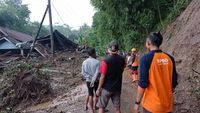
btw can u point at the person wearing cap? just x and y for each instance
(90, 71)
(110, 83)
(133, 65)
(158, 78)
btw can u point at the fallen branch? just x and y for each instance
(52, 70)
(196, 71)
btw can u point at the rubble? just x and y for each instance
(30, 81)
(13, 43)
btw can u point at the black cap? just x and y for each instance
(113, 46)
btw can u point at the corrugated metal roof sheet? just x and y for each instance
(4, 44)
(14, 36)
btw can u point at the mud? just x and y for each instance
(73, 101)
(38, 80)
(70, 102)
(128, 95)
(181, 39)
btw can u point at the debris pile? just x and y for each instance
(27, 82)
(22, 82)
(20, 43)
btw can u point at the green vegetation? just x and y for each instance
(18, 68)
(130, 21)
(13, 14)
(127, 21)
(197, 91)
(194, 79)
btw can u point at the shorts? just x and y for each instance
(92, 90)
(134, 70)
(146, 111)
(105, 96)
(134, 67)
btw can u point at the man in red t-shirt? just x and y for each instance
(110, 82)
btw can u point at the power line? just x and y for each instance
(67, 13)
(58, 13)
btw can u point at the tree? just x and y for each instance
(14, 15)
(129, 21)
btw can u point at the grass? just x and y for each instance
(195, 82)
(197, 91)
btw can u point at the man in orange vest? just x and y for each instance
(158, 78)
(133, 65)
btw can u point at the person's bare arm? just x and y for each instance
(101, 82)
(140, 94)
(102, 77)
(139, 97)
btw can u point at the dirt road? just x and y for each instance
(128, 95)
(73, 101)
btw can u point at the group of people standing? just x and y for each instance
(156, 82)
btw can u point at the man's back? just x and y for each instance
(158, 95)
(89, 67)
(113, 79)
(158, 78)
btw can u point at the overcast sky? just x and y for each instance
(72, 12)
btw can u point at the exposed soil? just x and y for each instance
(37, 80)
(69, 102)
(58, 85)
(183, 42)
(128, 95)
(73, 101)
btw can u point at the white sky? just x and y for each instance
(73, 12)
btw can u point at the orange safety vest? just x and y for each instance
(135, 63)
(158, 97)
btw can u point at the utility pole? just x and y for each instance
(34, 41)
(51, 28)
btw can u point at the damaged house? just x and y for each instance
(20, 43)
(13, 41)
(60, 42)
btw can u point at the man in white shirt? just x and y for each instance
(90, 71)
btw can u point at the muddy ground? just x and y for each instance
(37, 80)
(73, 101)
(182, 40)
(67, 92)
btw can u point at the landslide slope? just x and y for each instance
(182, 40)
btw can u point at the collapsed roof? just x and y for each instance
(13, 40)
(18, 42)
(14, 36)
(60, 42)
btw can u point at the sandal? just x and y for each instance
(86, 108)
(106, 110)
(96, 108)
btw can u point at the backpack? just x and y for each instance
(131, 60)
